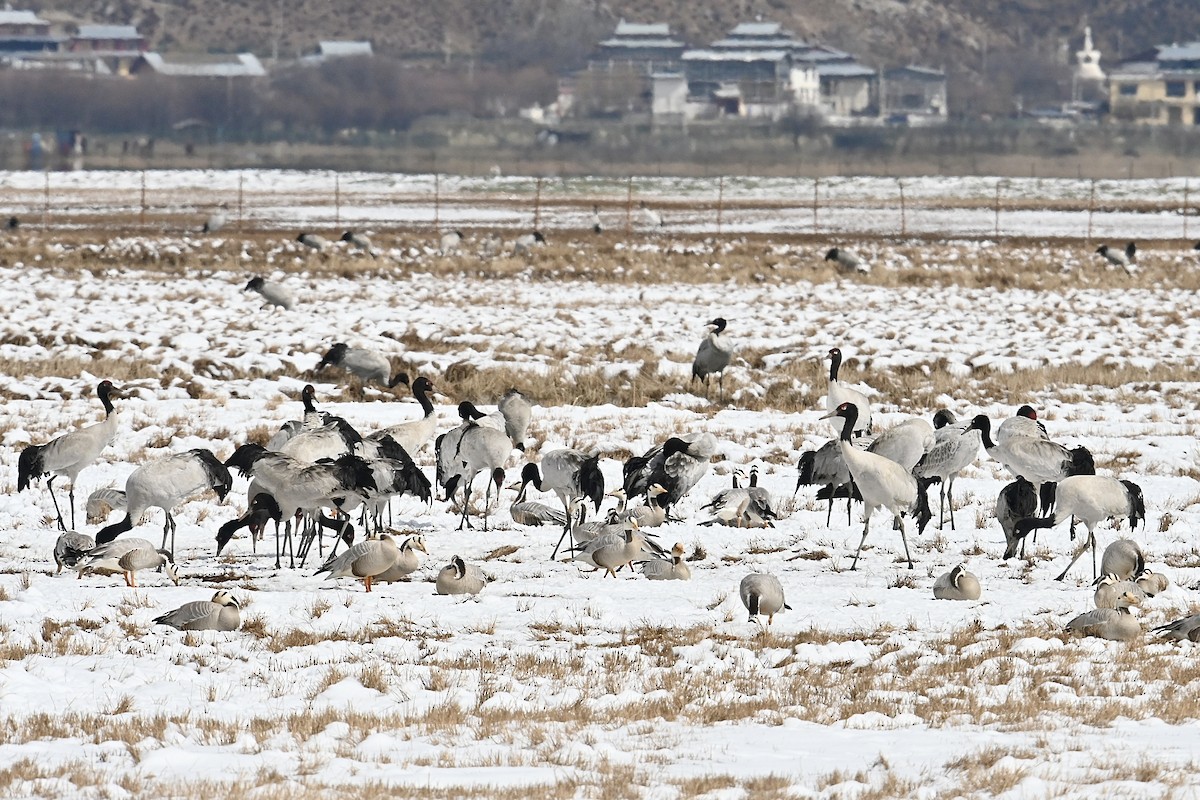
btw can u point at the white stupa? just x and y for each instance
(1087, 69)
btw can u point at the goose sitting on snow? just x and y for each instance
(957, 584)
(1187, 628)
(672, 569)
(222, 613)
(458, 577)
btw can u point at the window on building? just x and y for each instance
(1175, 115)
(1196, 87)
(1176, 88)
(1128, 89)
(1196, 115)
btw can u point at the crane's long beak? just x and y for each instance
(830, 414)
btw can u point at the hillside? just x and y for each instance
(1004, 48)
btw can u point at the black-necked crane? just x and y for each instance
(1016, 501)
(847, 260)
(597, 225)
(1091, 499)
(526, 242)
(297, 486)
(475, 449)
(1024, 423)
(839, 392)
(262, 509)
(312, 419)
(955, 449)
(359, 241)
(365, 364)
(713, 355)
(570, 474)
(71, 453)
(517, 412)
(882, 483)
(450, 242)
(1126, 260)
(313, 241)
(413, 434)
(166, 482)
(1039, 461)
(826, 467)
(275, 294)
(677, 465)
(906, 443)
(215, 220)
(395, 475)
(649, 217)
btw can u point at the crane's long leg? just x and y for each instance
(866, 527)
(1091, 540)
(903, 538)
(61, 525)
(71, 500)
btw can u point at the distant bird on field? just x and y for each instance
(358, 241)
(450, 242)
(525, 243)
(222, 613)
(70, 453)
(649, 216)
(216, 220)
(597, 227)
(313, 241)
(847, 260)
(272, 292)
(367, 365)
(713, 355)
(166, 482)
(1127, 260)
(14, 223)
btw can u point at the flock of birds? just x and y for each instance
(320, 463)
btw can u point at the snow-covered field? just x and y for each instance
(873, 206)
(558, 682)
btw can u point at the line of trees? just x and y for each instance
(303, 101)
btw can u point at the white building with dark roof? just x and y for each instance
(1159, 87)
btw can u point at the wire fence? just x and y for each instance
(248, 200)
